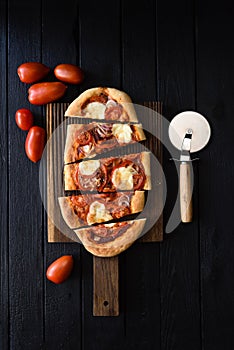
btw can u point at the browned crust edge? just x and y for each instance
(137, 202)
(115, 247)
(68, 214)
(74, 109)
(145, 159)
(69, 184)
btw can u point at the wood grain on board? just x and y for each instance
(105, 286)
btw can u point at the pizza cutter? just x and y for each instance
(189, 132)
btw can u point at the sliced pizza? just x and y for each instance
(103, 103)
(88, 140)
(107, 240)
(123, 173)
(88, 209)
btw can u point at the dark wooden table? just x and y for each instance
(178, 294)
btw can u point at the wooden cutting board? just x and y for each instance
(105, 270)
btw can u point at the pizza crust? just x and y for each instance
(145, 160)
(74, 109)
(139, 132)
(69, 184)
(137, 202)
(68, 214)
(114, 247)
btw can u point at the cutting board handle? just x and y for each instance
(186, 206)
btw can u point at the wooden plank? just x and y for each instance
(155, 234)
(106, 286)
(4, 216)
(215, 76)
(139, 267)
(179, 253)
(62, 303)
(25, 210)
(54, 117)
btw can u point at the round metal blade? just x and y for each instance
(189, 120)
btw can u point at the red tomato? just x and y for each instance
(42, 93)
(24, 118)
(84, 138)
(30, 72)
(60, 269)
(69, 73)
(35, 142)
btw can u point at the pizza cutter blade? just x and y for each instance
(190, 132)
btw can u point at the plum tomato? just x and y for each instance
(31, 72)
(24, 118)
(69, 73)
(42, 93)
(34, 143)
(60, 269)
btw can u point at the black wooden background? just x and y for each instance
(178, 294)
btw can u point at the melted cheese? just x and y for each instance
(87, 148)
(98, 213)
(110, 225)
(122, 178)
(89, 167)
(95, 110)
(122, 132)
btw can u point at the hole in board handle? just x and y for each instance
(105, 303)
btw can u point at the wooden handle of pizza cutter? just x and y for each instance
(186, 206)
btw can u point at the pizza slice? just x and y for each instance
(107, 240)
(103, 103)
(88, 140)
(123, 173)
(88, 209)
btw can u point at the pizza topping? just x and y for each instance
(83, 151)
(80, 207)
(107, 233)
(128, 174)
(121, 211)
(122, 132)
(97, 208)
(124, 200)
(95, 109)
(120, 205)
(111, 103)
(87, 148)
(138, 181)
(100, 107)
(102, 98)
(97, 213)
(90, 178)
(83, 138)
(103, 131)
(122, 178)
(83, 144)
(90, 167)
(113, 113)
(87, 183)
